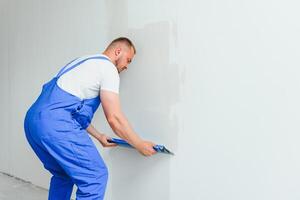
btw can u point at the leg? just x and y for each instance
(82, 162)
(61, 185)
(60, 188)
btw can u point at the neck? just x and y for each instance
(110, 56)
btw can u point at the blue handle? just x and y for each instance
(157, 148)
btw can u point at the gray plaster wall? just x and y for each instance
(215, 81)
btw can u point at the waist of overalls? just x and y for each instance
(81, 113)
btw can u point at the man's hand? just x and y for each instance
(146, 148)
(102, 138)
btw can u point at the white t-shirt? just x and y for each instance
(87, 79)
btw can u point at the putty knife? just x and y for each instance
(123, 143)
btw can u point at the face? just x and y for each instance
(124, 58)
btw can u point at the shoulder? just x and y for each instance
(98, 59)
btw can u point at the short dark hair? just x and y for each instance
(124, 40)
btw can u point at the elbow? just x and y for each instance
(114, 122)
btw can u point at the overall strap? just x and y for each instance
(63, 71)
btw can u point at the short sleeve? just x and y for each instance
(110, 79)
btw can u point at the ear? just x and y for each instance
(117, 51)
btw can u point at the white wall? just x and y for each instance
(216, 81)
(240, 109)
(37, 39)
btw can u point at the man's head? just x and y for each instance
(121, 52)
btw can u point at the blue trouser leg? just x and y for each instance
(72, 158)
(61, 185)
(80, 159)
(60, 188)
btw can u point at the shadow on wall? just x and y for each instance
(149, 90)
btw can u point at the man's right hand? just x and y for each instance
(146, 148)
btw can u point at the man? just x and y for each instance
(58, 122)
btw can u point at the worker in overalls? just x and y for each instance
(59, 121)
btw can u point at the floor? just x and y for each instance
(12, 188)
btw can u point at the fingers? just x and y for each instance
(110, 145)
(104, 141)
(148, 149)
(149, 153)
(152, 151)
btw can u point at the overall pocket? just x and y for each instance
(81, 117)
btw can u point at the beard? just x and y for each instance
(119, 68)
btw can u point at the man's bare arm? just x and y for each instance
(102, 138)
(120, 125)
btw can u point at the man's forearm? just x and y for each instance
(122, 128)
(93, 131)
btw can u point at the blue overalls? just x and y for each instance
(55, 129)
